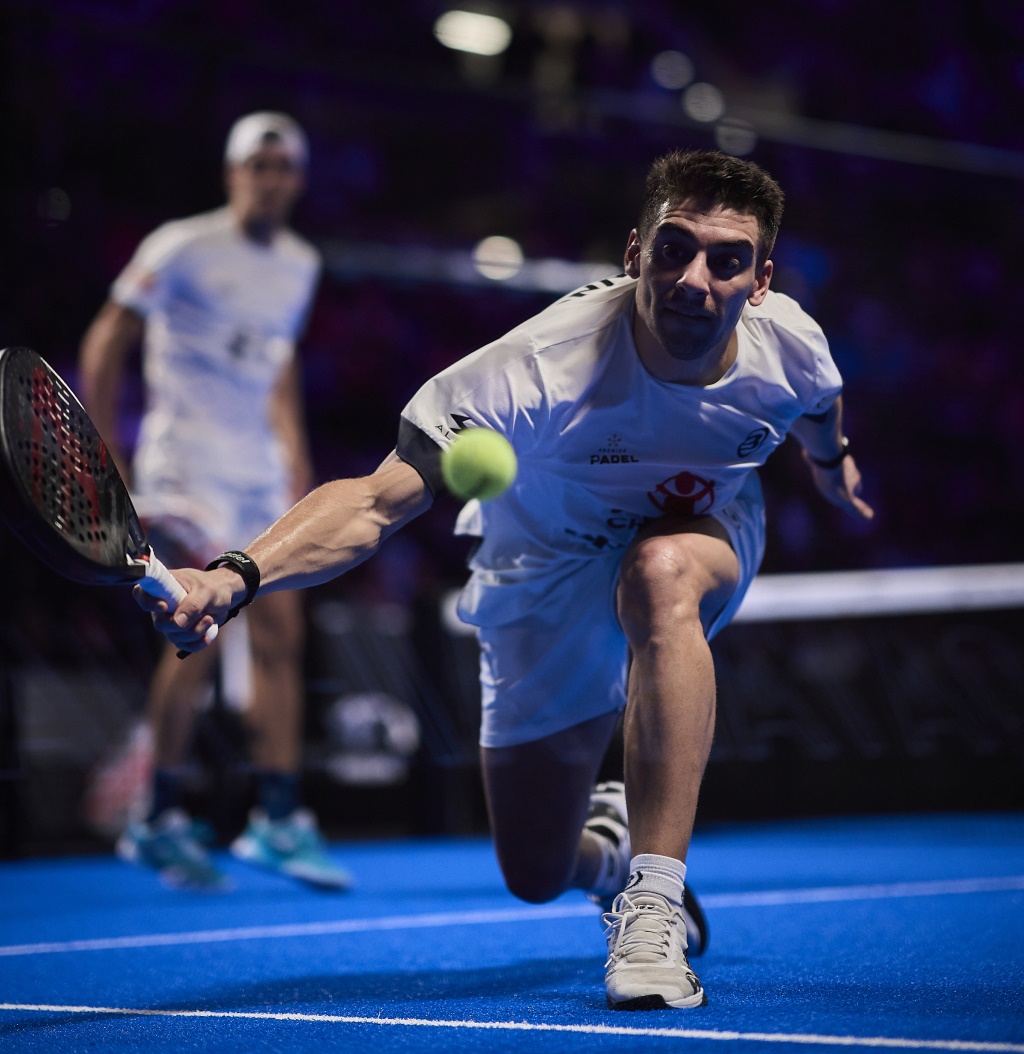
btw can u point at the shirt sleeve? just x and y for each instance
(497, 387)
(814, 376)
(827, 380)
(143, 284)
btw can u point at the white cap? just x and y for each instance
(249, 133)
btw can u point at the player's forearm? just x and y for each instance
(337, 527)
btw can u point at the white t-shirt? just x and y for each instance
(223, 313)
(603, 446)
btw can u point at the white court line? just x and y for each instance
(528, 1026)
(763, 898)
(308, 929)
(889, 891)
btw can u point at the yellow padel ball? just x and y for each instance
(479, 463)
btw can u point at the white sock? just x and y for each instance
(650, 873)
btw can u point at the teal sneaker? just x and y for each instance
(172, 845)
(292, 846)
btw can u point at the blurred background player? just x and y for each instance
(218, 301)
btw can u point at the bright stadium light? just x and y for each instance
(703, 102)
(672, 70)
(469, 31)
(498, 258)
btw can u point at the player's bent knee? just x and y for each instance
(535, 870)
(660, 574)
(529, 883)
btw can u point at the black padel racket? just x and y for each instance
(60, 492)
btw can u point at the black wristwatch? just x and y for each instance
(245, 565)
(833, 462)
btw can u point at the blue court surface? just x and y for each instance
(885, 933)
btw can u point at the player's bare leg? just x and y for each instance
(675, 578)
(123, 788)
(281, 835)
(166, 840)
(673, 582)
(174, 692)
(537, 799)
(276, 640)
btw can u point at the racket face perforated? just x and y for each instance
(60, 491)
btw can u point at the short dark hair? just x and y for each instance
(718, 179)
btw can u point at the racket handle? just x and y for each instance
(160, 583)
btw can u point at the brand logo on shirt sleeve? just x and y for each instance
(458, 425)
(752, 442)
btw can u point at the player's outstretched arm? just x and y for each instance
(336, 527)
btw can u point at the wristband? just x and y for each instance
(833, 462)
(245, 565)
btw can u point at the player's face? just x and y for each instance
(695, 272)
(263, 190)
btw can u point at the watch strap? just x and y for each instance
(833, 462)
(246, 567)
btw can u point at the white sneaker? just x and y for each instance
(647, 968)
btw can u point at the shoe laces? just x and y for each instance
(641, 928)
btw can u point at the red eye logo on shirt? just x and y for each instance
(684, 493)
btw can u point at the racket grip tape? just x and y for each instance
(160, 583)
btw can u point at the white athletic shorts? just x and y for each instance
(566, 662)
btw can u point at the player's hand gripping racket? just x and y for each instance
(60, 492)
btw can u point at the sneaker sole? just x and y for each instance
(170, 877)
(249, 852)
(332, 885)
(656, 1002)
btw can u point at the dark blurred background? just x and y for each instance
(897, 132)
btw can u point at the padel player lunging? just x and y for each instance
(639, 408)
(219, 301)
